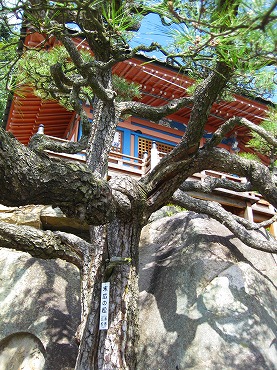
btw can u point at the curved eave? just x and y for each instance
(160, 83)
(27, 112)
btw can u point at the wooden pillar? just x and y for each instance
(144, 161)
(248, 212)
(273, 229)
(154, 155)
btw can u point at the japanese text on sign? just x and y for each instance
(104, 306)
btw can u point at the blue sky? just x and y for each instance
(152, 30)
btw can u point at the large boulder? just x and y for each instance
(39, 312)
(207, 301)
(39, 299)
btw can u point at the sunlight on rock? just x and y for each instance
(21, 351)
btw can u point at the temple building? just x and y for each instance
(139, 144)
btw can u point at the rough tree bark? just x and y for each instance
(116, 210)
(113, 258)
(111, 255)
(114, 348)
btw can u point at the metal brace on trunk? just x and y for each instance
(113, 262)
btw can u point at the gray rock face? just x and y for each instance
(22, 351)
(39, 312)
(207, 301)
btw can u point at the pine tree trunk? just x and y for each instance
(113, 258)
(105, 119)
(114, 348)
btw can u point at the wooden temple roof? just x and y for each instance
(159, 83)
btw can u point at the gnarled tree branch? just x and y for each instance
(256, 173)
(221, 132)
(62, 82)
(160, 184)
(209, 184)
(37, 179)
(86, 72)
(182, 155)
(153, 113)
(258, 240)
(41, 142)
(205, 95)
(253, 225)
(42, 244)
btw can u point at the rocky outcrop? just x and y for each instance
(39, 312)
(45, 217)
(22, 351)
(207, 301)
(39, 299)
